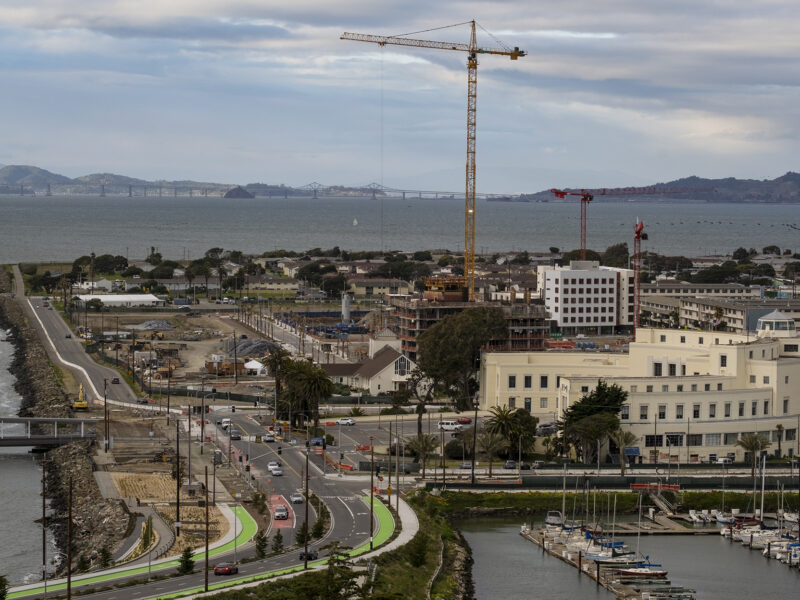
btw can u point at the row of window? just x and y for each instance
(588, 309)
(710, 439)
(587, 281)
(580, 299)
(672, 369)
(528, 382)
(696, 413)
(528, 403)
(678, 388)
(583, 319)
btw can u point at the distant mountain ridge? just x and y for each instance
(35, 180)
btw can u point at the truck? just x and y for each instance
(80, 403)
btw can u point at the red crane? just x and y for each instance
(588, 195)
(639, 234)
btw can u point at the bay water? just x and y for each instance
(61, 228)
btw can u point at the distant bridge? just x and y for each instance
(55, 437)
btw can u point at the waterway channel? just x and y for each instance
(508, 566)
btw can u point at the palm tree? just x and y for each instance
(754, 443)
(190, 275)
(422, 446)
(309, 385)
(623, 439)
(276, 362)
(502, 422)
(491, 444)
(779, 431)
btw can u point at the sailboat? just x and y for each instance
(721, 515)
(355, 222)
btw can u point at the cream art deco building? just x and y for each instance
(691, 394)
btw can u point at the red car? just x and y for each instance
(226, 569)
(464, 420)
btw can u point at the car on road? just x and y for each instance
(236, 434)
(226, 569)
(449, 426)
(538, 464)
(297, 498)
(268, 437)
(281, 513)
(466, 465)
(312, 554)
(276, 471)
(463, 420)
(115, 380)
(510, 464)
(68, 336)
(274, 463)
(346, 421)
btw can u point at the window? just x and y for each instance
(679, 387)
(528, 404)
(633, 389)
(752, 378)
(699, 340)
(662, 411)
(723, 360)
(401, 366)
(625, 412)
(741, 409)
(694, 387)
(695, 411)
(766, 407)
(679, 411)
(542, 402)
(683, 339)
(528, 381)
(753, 408)
(683, 370)
(694, 439)
(653, 441)
(664, 388)
(731, 439)
(512, 381)
(675, 439)
(790, 347)
(673, 369)
(713, 439)
(719, 387)
(584, 389)
(712, 411)
(649, 388)
(790, 434)
(543, 382)
(707, 387)
(766, 378)
(643, 412)
(512, 402)
(786, 379)
(663, 338)
(727, 409)
(785, 404)
(657, 370)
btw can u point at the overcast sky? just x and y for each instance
(614, 92)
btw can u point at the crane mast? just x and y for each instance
(470, 212)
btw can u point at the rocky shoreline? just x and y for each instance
(97, 522)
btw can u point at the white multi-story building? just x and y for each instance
(691, 394)
(585, 297)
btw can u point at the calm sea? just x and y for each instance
(59, 228)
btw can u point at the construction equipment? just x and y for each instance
(472, 84)
(80, 403)
(587, 196)
(639, 234)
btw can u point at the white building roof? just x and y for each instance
(120, 298)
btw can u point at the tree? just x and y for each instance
(422, 446)
(779, 431)
(302, 536)
(106, 558)
(338, 580)
(309, 385)
(449, 352)
(491, 444)
(277, 362)
(623, 439)
(3, 587)
(568, 257)
(616, 256)
(740, 254)
(754, 443)
(587, 432)
(186, 562)
(261, 543)
(593, 417)
(277, 542)
(422, 256)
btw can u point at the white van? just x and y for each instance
(225, 423)
(449, 426)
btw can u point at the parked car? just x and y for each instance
(463, 420)
(115, 380)
(312, 554)
(143, 400)
(226, 569)
(466, 465)
(538, 464)
(346, 421)
(281, 513)
(297, 498)
(510, 464)
(524, 467)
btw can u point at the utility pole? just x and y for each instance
(69, 541)
(235, 361)
(308, 530)
(44, 527)
(206, 569)
(177, 477)
(474, 437)
(105, 413)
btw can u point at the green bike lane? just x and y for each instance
(249, 529)
(386, 526)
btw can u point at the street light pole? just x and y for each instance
(308, 531)
(371, 491)
(474, 438)
(105, 412)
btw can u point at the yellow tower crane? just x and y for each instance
(472, 86)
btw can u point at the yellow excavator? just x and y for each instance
(80, 403)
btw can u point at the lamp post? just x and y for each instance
(371, 491)
(105, 413)
(308, 531)
(474, 438)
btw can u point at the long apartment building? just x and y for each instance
(691, 394)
